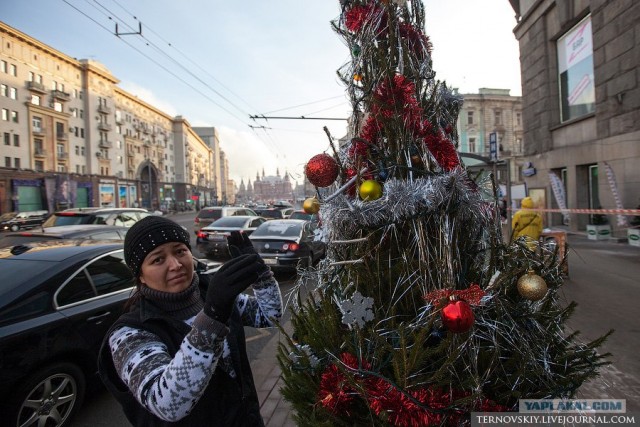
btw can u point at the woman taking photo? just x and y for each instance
(178, 357)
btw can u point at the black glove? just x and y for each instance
(228, 282)
(239, 244)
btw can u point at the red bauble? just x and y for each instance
(457, 316)
(321, 170)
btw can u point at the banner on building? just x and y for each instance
(611, 177)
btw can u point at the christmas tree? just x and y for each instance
(420, 313)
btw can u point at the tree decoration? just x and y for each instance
(449, 332)
(457, 315)
(370, 190)
(321, 170)
(311, 205)
(357, 310)
(531, 286)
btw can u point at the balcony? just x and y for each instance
(36, 87)
(40, 153)
(62, 96)
(62, 136)
(105, 144)
(63, 155)
(104, 126)
(147, 143)
(37, 131)
(103, 109)
(131, 154)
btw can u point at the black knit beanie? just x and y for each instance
(146, 235)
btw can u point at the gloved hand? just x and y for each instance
(228, 282)
(239, 244)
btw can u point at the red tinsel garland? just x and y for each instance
(359, 16)
(473, 294)
(336, 394)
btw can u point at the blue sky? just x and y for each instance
(264, 56)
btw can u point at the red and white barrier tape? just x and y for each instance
(628, 212)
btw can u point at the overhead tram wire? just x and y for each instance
(277, 152)
(303, 105)
(178, 63)
(204, 70)
(157, 63)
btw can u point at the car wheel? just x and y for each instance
(15, 227)
(50, 397)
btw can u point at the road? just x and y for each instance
(603, 280)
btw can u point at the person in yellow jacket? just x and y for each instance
(527, 223)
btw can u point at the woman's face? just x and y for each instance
(168, 268)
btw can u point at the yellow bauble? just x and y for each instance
(311, 205)
(370, 190)
(531, 286)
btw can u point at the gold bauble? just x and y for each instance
(370, 190)
(311, 205)
(531, 286)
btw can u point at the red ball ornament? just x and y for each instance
(457, 316)
(321, 170)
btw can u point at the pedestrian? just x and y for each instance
(527, 223)
(178, 356)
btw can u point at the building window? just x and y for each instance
(16, 162)
(39, 166)
(16, 140)
(469, 117)
(61, 168)
(575, 69)
(82, 151)
(36, 100)
(82, 133)
(498, 117)
(14, 70)
(4, 90)
(7, 138)
(77, 168)
(472, 145)
(81, 113)
(7, 162)
(13, 93)
(57, 105)
(14, 116)
(5, 114)
(518, 119)
(3, 66)
(37, 124)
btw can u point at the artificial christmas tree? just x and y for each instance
(416, 317)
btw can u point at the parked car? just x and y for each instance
(15, 221)
(303, 215)
(81, 231)
(124, 217)
(285, 244)
(57, 301)
(211, 240)
(207, 215)
(272, 213)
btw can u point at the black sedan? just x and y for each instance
(288, 243)
(211, 240)
(82, 231)
(57, 301)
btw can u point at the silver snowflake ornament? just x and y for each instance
(357, 310)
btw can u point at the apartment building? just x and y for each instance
(66, 121)
(492, 111)
(581, 103)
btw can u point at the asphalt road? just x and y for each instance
(604, 279)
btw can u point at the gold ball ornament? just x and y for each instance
(531, 286)
(311, 205)
(370, 190)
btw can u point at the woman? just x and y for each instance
(178, 357)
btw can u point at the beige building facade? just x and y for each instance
(66, 120)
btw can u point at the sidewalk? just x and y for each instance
(275, 411)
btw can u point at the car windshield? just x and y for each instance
(278, 228)
(14, 273)
(205, 213)
(63, 218)
(7, 216)
(276, 213)
(301, 215)
(229, 221)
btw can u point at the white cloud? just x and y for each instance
(247, 154)
(149, 97)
